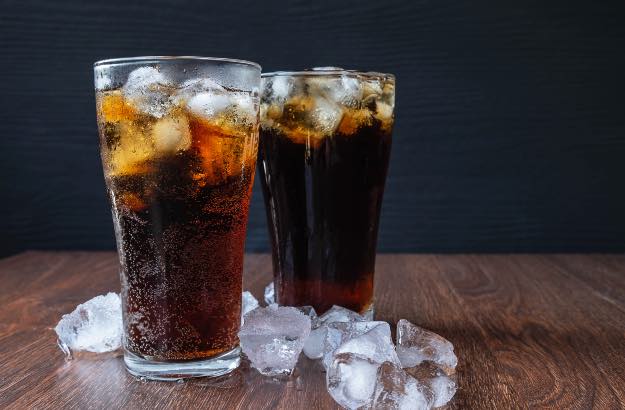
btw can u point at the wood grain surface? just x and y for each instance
(509, 129)
(530, 331)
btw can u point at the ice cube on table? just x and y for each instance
(149, 91)
(375, 344)
(339, 333)
(415, 345)
(313, 347)
(311, 313)
(248, 303)
(269, 294)
(397, 390)
(339, 314)
(94, 326)
(351, 380)
(273, 337)
(443, 390)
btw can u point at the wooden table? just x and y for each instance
(530, 331)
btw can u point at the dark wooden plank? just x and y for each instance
(529, 330)
(601, 273)
(559, 344)
(509, 131)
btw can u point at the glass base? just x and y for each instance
(173, 371)
(369, 313)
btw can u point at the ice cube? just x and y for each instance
(353, 120)
(346, 90)
(171, 134)
(383, 112)
(273, 337)
(371, 88)
(113, 107)
(443, 390)
(415, 345)
(149, 91)
(313, 347)
(102, 80)
(245, 108)
(210, 105)
(269, 294)
(351, 380)
(349, 92)
(325, 116)
(280, 87)
(397, 390)
(249, 303)
(339, 333)
(196, 86)
(311, 313)
(94, 326)
(375, 343)
(133, 148)
(340, 314)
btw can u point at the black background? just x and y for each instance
(510, 119)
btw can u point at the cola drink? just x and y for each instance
(325, 141)
(179, 157)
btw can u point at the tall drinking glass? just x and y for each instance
(178, 140)
(325, 141)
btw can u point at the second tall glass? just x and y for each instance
(325, 141)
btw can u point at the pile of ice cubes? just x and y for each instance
(364, 368)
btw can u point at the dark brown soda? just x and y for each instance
(323, 203)
(181, 243)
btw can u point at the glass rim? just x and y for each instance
(156, 59)
(327, 71)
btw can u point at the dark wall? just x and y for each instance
(510, 132)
